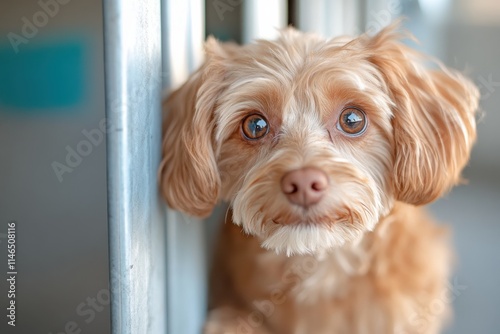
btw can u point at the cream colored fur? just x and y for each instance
(364, 259)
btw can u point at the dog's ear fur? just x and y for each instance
(189, 179)
(434, 119)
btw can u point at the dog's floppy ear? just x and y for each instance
(189, 179)
(434, 119)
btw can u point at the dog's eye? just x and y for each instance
(352, 121)
(254, 127)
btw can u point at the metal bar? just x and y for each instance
(263, 18)
(310, 15)
(183, 35)
(136, 222)
(330, 17)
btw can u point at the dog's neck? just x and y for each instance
(309, 278)
(325, 275)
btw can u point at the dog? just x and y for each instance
(325, 150)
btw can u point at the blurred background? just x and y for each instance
(53, 149)
(51, 91)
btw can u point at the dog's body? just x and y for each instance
(394, 280)
(323, 148)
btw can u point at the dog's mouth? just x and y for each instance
(309, 235)
(309, 221)
(333, 216)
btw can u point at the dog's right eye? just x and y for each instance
(254, 126)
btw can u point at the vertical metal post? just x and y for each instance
(136, 224)
(311, 16)
(183, 36)
(263, 18)
(330, 17)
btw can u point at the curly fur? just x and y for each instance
(375, 260)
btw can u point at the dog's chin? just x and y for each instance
(309, 238)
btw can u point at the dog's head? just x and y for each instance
(312, 140)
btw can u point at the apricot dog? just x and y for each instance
(325, 150)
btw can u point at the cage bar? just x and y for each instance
(133, 67)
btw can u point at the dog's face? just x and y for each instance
(312, 141)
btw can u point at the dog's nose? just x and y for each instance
(305, 186)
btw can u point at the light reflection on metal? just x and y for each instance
(183, 36)
(136, 218)
(331, 18)
(263, 19)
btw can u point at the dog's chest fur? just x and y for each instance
(387, 279)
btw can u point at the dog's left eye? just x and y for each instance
(352, 121)
(254, 127)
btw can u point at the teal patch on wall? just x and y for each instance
(47, 76)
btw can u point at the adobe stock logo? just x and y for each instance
(30, 28)
(84, 148)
